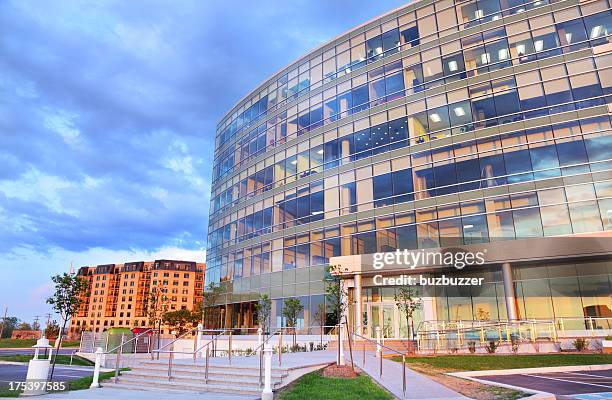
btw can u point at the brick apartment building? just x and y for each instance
(118, 293)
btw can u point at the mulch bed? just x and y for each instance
(339, 371)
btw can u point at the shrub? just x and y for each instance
(581, 344)
(608, 338)
(491, 347)
(472, 347)
(515, 343)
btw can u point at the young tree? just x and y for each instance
(407, 302)
(7, 326)
(263, 308)
(335, 297)
(291, 310)
(321, 316)
(209, 305)
(70, 291)
(52, 329)
(155, 308)
(24, 326)
(181, 320)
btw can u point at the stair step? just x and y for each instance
(200, 373)
(237, 379)
(197, 387)
(230, 370)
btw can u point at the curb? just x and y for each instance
(538, 370)
(536, 394)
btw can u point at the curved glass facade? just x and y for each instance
(441, 123)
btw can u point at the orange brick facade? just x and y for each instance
(118, 293)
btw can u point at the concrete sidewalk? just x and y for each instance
(126, 394)
(417, 386)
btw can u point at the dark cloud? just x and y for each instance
(108, 110)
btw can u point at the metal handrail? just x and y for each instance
(124, 343)
(177, 338)
(195, 351)
(381, 358)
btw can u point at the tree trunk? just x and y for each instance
(59, 346)
(408, 327)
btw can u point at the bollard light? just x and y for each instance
(38, 369)
(96, 376)
(267, 394)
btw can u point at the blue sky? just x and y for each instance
(107, 120)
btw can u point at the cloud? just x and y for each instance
(108, 114)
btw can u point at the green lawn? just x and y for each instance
(470, 362)
(21, 343)
(61, 359)
(313, 386)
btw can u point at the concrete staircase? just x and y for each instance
(233, 379)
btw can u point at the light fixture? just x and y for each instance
(503, 54)
(452, 66)
(495, 18)
(520, 49)
(538, 45)
(320, 151)
(435, 117)
(459, 111)
(568, 37)
(485, 58)
(469, 226)
(479, 13)
(596, 31)
(378, 50)
(294, 162)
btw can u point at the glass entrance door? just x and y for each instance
(387, 316)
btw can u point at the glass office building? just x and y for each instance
(480, 123)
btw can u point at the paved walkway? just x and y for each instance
(417, 386)
(121, 394)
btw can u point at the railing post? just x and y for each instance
(378, 348)
(381, 362)
(259, 340)
(267, 394)
(280, 348)
(363, 347)
(229, 348)
(206, 367)
(96, 375)
(404, 374)
(118, 358)
(591, 326)
(261, 368)
(170, 357)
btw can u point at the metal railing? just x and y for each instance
(380, 353)
(212, 342)
(454, 335)
(590, 324)
(119, 350)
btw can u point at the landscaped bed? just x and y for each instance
(470, 362)
(314, 386)
(437, 366)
